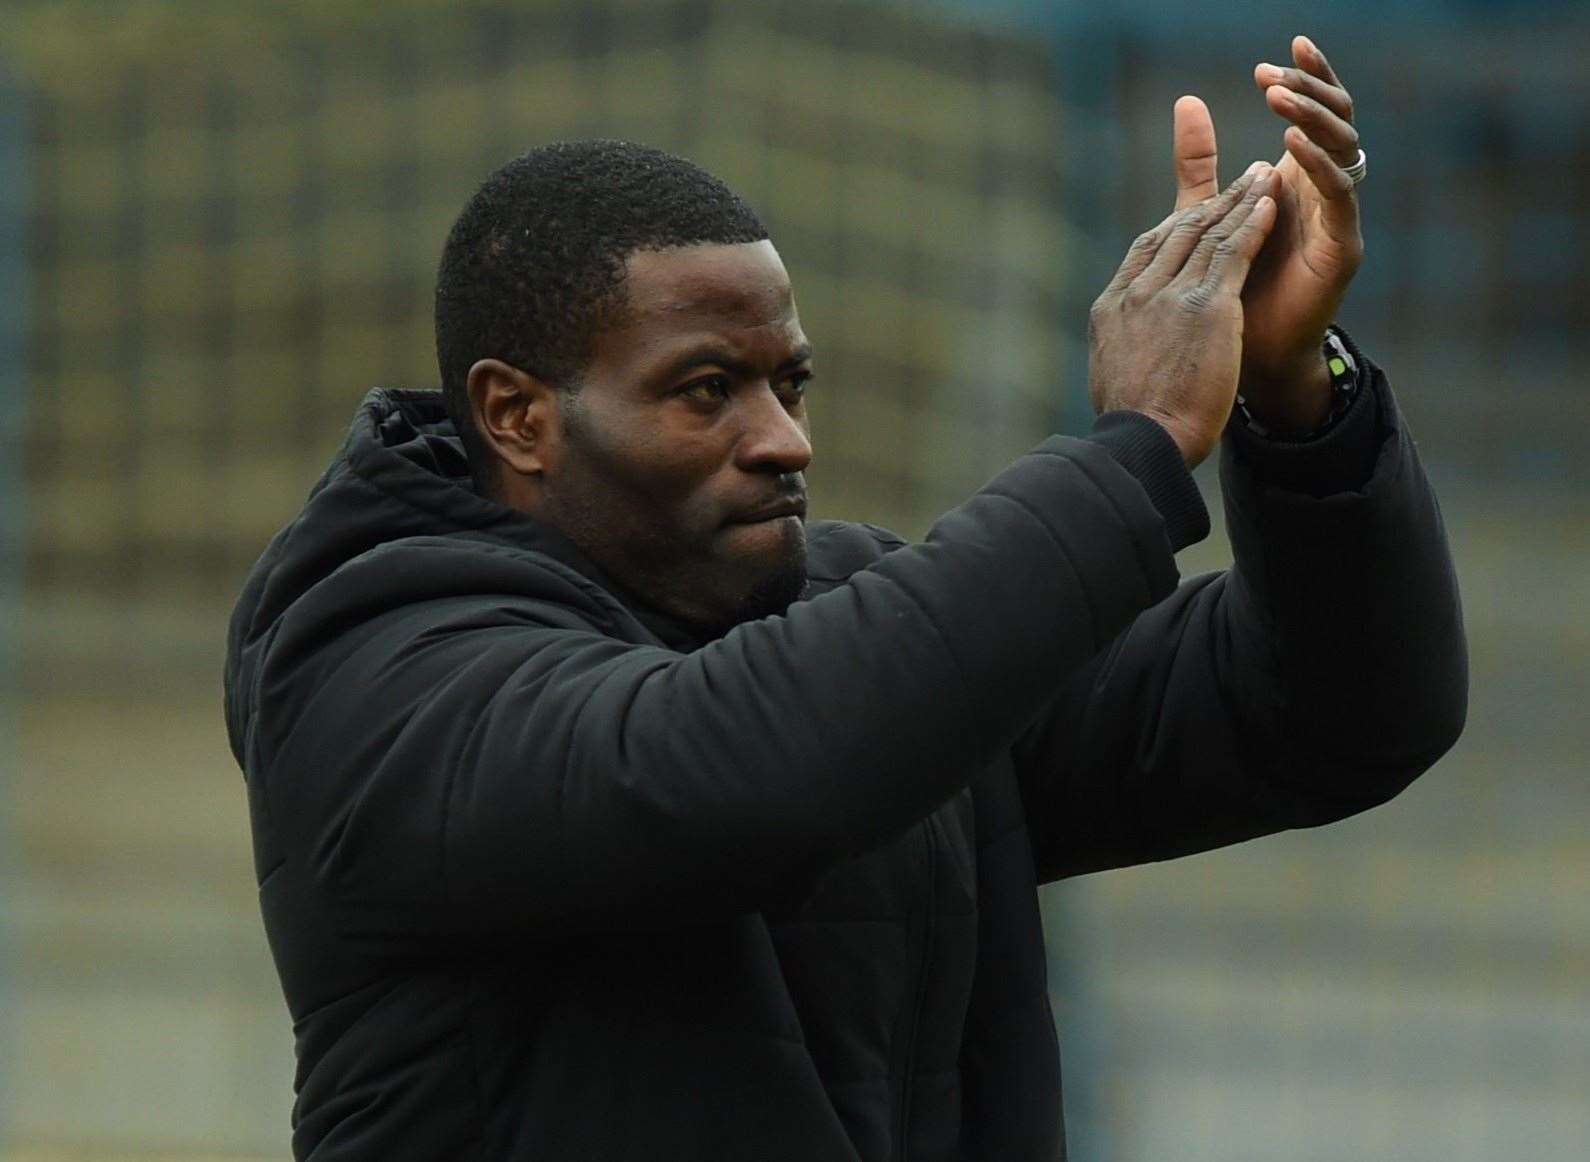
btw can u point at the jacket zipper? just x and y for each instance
(908, 1069)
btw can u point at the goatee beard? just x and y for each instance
(776, 592)
(772, 595)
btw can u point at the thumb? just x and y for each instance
(1193, 151)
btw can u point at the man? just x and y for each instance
(604, 809)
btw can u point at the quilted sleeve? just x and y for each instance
(447, 746)
(1316, 678)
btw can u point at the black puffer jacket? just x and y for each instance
(545, 878)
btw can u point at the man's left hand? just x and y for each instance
(1316, 247)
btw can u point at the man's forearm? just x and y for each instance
(1341, 545)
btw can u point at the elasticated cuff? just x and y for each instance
(1148, 452)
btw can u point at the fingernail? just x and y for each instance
(1270, 73)
(1254, 168)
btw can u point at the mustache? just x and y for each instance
(790, 487)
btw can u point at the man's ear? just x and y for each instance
(516, 415)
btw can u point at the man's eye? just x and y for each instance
(711, 390)
(794, 387)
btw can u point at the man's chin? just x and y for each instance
(777, 554)
(774, 594)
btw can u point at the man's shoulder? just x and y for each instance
(835, 549)
(421, 583)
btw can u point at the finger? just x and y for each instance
(1308, 56)
(1211, 243)
(1330, 132)
(1190, 225)
(1193, 151)
(1231, 261)
(1142, 251)
(1333, 97)
(1339, 202)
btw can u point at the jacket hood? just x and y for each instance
(401, 472)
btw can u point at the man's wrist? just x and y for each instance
(1290, 403)
(1343, 378)
(1146, 449)
(1341, 456)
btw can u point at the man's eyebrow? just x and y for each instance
(722, 358)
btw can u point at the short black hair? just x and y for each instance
(534, 266)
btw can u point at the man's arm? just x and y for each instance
(482, 759)
(1317, 677)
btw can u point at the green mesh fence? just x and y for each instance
(235, 214)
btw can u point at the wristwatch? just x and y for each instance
(1344, 389)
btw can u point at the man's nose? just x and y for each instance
(774, 439)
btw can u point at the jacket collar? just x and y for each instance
(417, 454)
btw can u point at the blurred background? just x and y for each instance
(218, 229)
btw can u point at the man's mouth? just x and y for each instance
(787, 506)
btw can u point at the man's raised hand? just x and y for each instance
(1166, 336)
(1298, 281)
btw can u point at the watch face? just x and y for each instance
(1339, 359)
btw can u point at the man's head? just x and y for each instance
(620, 352)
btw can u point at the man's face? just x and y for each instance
(682, 452)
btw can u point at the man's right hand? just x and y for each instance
(1165, 337)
